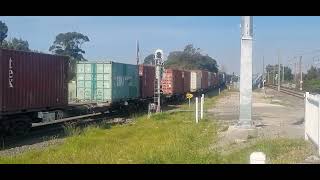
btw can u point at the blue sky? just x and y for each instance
(114, 38)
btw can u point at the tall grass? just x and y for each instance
(166, 138)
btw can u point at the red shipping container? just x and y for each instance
(204, 80)
(32, 81)
(215, 80)
(147, 78)
(186, 75)
(172, 82)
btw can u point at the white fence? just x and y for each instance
(312, 119)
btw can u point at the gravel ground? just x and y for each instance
(36, 146)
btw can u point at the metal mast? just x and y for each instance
(158, 58)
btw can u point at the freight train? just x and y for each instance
(35, 88)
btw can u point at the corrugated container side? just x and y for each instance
(147, 78)
(1, 80)
(195, 81)
(32, 81)
(215, 80)
(107, 82)
(172, 82)
(204, 80)
(209, 79)
(125, 81)
(186, 81)
(72, 91)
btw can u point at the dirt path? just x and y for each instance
(274, 115)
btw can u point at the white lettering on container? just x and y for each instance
(11, 73)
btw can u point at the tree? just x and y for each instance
(3, 32)
(191, 59)
(313, 73)
(149, 59)
(69, 44)
(16, 44)
(273, 70)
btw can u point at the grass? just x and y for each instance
(166, 138)
(312, 85)
(278, 151)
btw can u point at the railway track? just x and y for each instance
(44, 131)
(298, 94)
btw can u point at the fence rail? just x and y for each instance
(312, 119)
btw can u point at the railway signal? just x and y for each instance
(158, 61)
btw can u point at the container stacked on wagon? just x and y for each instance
(34, 87)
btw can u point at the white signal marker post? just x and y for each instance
(246, 73)
(201, 106)
(197, 110)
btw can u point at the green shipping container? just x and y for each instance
(107, 82)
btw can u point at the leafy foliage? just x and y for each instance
(69, 44)
(149, 59)
(313, 73)
(191, 59)
(273, 70)
(16, 44)
(3, 32)
(312, 80)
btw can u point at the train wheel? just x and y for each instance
(20, 126)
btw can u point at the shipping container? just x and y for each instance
(204, 80)
(195, 81)
(32, 81)
(215, 80)
(210, 79)
(72, 88)
(186, 75)
(107, 82)
(172, 82)
(221, 77)
(147, 80)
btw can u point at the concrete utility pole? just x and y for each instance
(300, 69)
(279, 71)
(295, 72)
(263, 76)
(282, 73)
(274, 75)
(246, 73)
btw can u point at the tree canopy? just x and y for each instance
(149, 59)
(191, 59)
(313, 73)
(3, 32)
(69, 44)
(273, 70)
(16, 44)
